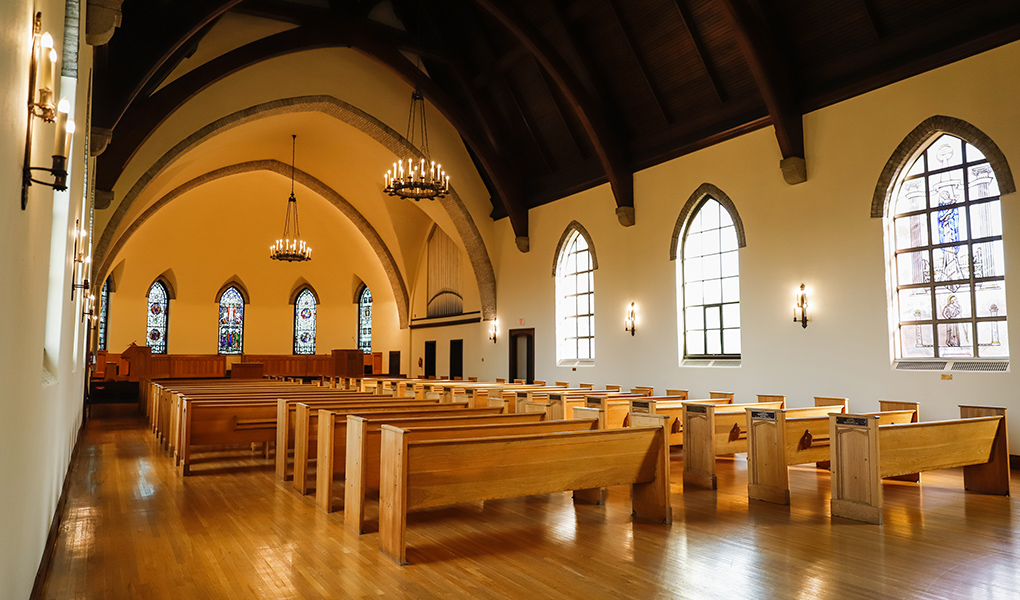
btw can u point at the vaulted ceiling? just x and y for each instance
(555, 96)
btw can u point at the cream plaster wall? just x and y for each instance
(40, 367)
(819, 233)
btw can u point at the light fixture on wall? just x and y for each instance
(41, 94)
(415, 181)
(800, 311)
(630, 319)
(89, 310)
(288, 248)
(81, 261)
(493, 331)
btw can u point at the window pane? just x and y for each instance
(713, 316)
(694, 294)
(713, 342)
(365, 321)
(990, 299)
(982, 182)
(993, 339)
(695, 318)
(713, 291)
(973, 154)
(915, 304)
(711, 277)
(730, 266)
(729, 239)
(692, 246)
(945, 152)
(911, 232)
(582, 328)
(988, 260)
(949, 226)
(157, 318)
(986, 219)
(231, 322)
(710, 216)
(731, 289)
(912, 197)
(912, 267)
(710, 242)
(953, 302)
(955, 340)
(731, 316)
(951, 264)
(692, 269)
(695, 341)
(917, 167)
(731, 341)
(712, 266)
(916, 341)
(304, 323)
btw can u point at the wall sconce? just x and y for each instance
(41, 92)
(493, 330)
(90, 310)
(81, 262)
(800, 312)
(629, 319)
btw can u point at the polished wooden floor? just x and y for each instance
(134, 528)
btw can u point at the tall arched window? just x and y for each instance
(365, 320)
(575, 299)
(158, 318)
(231, 322)
(104, 314)
(708, 274)
(304, 322)
(945, 224)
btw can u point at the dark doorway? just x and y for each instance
(522, 354)
(394, 368)
(456, 358)
(430, 358)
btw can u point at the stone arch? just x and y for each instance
(572, 227)
(917, 139)
(234, 282)
(466, 228)
(389, 264)
(705, 189)
(299, 286)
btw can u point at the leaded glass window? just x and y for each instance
(158, 318)
(365, 321)
(948, 260)
(231, 322)
(304, 323)
(575, 302)
(710, 276)
(104, 312)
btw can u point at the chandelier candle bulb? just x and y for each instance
(47, 61)
(62, 109)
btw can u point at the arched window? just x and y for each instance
(158, 318)
(304, 322)
(104, 314)
(231, 322)
(575, 298)
(945, 226)
(708, 277)
(365, 320)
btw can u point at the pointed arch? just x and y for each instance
(232, 299)
(918, 139)
(157, 315)
(236, 282)
(573, 227)
(299, 286)
(705, 189)
(306, 305)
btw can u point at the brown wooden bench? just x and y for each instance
(364, 436)
(777, 438)
(420, 474)
(711, 430)
(864, 451)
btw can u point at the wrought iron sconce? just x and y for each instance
(800, 311)
(493, 330)
(90, 310)
(41, 94)
(630, 319)
(81, 262)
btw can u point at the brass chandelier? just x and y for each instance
(409, 178)
(291, 249)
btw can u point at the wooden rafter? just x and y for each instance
(642, 66)
(774, 82)
(603, 138)
(699, 48)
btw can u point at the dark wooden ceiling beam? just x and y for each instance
(559, 111)
(603, 138)
(590, 75)
(699, 48)
(774, 82)
(140, 51)
(869, 11)
(642, 66)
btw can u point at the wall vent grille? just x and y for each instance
(975, 366)
(928, 365)
(702, 362)
(981, 366)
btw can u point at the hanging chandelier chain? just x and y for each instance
(289, 248)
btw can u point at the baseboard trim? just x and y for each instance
(58, 516)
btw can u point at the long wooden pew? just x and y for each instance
(864, 451)
(286, 420)
(306, 431)
(420, 474)
(777, 438)
(360, 462)
(711, 430)
(612, 412)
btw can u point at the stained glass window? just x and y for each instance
(231, 322)
(158, 317)
(575, 306)
(104, 312)
(304, 322)
(710, 275)
(948, 259)
(365, 321)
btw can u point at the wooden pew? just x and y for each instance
(364, 437)
(419, 474)
(612, 412)
(779, 438)
(711, 430)
(307, 429)
(671, 405)
(864, 451)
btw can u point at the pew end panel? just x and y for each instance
(699, 459)
(768, 478)
(991, 477)
(393, 502)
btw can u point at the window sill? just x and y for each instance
(576, 363)
(701, 363)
